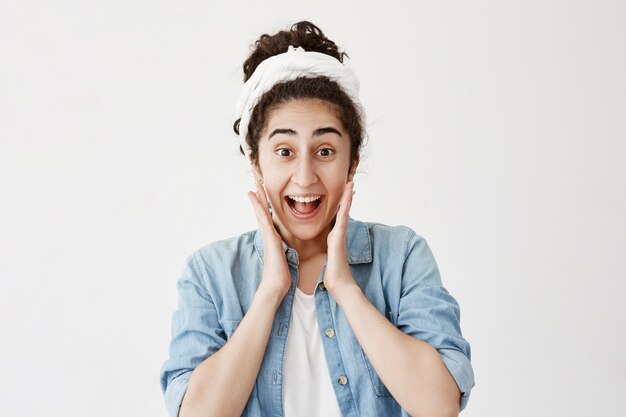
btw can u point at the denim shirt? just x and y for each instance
(392, 265)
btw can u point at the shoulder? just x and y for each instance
(227, 251)
(399, 238)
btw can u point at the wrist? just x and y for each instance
(345, 292)
(269, 295)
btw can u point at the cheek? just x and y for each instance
(273, 189)
(335, 189)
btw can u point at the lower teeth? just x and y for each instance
(314, 204)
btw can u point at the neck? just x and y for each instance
(307, 249)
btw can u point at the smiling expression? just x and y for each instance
(304, 153)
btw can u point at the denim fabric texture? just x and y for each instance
(393, 266)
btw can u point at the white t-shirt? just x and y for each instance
(307, 388)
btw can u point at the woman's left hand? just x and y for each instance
(337, 275)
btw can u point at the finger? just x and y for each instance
(260, 211)
(263, 197)
(344, 207)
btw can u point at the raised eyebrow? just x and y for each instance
(283, 131)
(318, 132)
(324, 130)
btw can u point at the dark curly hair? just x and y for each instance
(308, 36)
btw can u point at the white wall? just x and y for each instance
(496, 130)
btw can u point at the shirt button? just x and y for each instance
(343, 380)
(330, 332)
(321, 286)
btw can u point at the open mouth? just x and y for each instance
(304, 207)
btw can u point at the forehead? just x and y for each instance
(303, 112)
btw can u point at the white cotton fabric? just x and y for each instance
(294, 63)
(307, 388)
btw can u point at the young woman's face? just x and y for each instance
(304, 152)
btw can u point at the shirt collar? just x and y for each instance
(357, 239)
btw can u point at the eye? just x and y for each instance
(326, 152)
(284, 152)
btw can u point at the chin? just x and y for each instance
(304, 231)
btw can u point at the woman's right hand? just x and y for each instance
(276, 278)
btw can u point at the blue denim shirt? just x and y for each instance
(392, 265)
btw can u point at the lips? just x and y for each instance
(300, 210)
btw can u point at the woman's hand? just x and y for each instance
(338, 275)
(276, 278)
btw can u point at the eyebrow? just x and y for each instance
(318, 132)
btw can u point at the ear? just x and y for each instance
(256, 171)
(352, 171)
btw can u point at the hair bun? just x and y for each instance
(304, 34)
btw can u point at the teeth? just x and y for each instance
(304, 199)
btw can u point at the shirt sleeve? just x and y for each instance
(196, 335)
(428, 312)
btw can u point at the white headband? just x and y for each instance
(294, 63)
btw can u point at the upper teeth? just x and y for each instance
(304, 199)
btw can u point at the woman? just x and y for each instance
(315, 313)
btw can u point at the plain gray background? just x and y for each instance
(496, 131)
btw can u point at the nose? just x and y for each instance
(304, 174)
